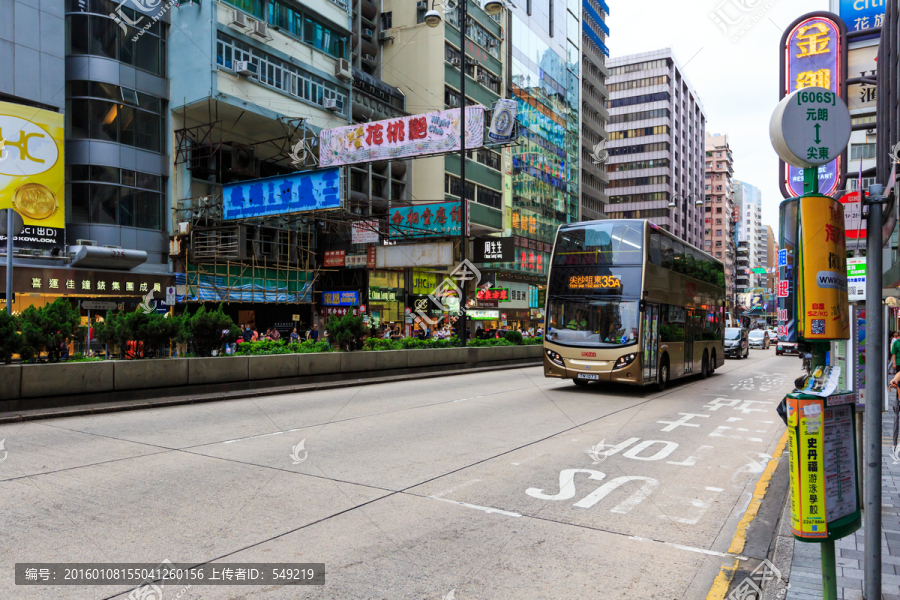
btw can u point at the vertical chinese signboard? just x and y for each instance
(784, 286)
(813, 54)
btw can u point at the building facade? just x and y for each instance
(594, 114)
(657, 132)
(768, 256)
(720, 211)
(748, 199)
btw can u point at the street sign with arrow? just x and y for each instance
(810, 127)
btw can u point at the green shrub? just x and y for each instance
(532, 341)
(345, 330)
(489, 343)
(514, 337)
(268, 347)
(10, 338)
(45, 329)
(204, 328)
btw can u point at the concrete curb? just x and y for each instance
(109, 407)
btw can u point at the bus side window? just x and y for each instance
(680, 265)
(690, 265)
(701, 264)
(668, 251)
(655, 249)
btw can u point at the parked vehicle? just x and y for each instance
(737, 342)
(773, 337)
(759, 339)
(787, 348)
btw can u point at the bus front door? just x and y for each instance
(650, 341)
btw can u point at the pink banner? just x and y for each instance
(416, 135)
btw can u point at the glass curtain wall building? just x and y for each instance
(545, 38)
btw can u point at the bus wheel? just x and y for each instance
(712, 364)
(663, 374)
(704, 369)
(579, 382)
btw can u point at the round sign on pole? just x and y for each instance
(810, 127)
(18, 223)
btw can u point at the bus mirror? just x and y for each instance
(641, 306)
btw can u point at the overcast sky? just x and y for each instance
(736, 80)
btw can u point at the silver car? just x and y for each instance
(759, 339)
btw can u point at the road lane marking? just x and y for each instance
(690, 461)
(486, 509)
(459, 487)
(714, 489)
(672, 425)
(262, 435)
(689, 548)
(726, 573)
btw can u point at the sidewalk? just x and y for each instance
(806, 566)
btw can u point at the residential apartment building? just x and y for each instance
(594, 115)
(748, 199)
(720, 210)
(657, 128)
(768, 256)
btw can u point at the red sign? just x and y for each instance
(362, 308)
(855, 227)
(334, 258)
(337, 311)
(783, 288)
(592, 354)
(370, 257)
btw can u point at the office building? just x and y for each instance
(657, 128)
(721, 214)
(748, 199)
(594, 114)
(768, 256)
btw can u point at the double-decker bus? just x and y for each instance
(631, 303)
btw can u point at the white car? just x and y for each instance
(759, 338)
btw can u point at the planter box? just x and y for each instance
(66, 379)
(355, 362)
(423, 358)
(143, 374)
(219, 369)
(10, 382)
(274, 367)
(322, 363)
(534, 351)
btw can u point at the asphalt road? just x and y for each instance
(494, 485)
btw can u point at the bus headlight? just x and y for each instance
(624, 361)
(555, 358)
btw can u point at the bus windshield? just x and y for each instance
(601, 243)
(589, 322)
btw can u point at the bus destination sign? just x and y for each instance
(594, 282)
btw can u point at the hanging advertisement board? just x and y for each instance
(298, 192)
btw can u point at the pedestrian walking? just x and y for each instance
(313, 334)
(295, 337)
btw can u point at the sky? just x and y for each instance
(735, 79)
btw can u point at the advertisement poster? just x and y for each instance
(425, 220)
(404, 137)
(32, 174)
(298, 192)
(860, 357)
(822, 297)
(840, 464)
(805, 422)
(785, 284)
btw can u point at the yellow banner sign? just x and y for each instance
(807, 457)
(32, 171)
(822, 273)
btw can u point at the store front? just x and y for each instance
(386, 299)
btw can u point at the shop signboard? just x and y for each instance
(813, 54)
(856, 279)
(83, 282)
(340, 298)
(377, 295)
(424, 283)
(334, 258)
(364, 232)
(299, 192)
(784, 284)
(495, 250)
(339, 311)
(425, 220)
(370, 257)
(399, 138)
(500, 294)
(483, 315)
(860, 15)
(32, 174)
(355, 261)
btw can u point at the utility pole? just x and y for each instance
(463, 212)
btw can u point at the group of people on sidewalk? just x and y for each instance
(249, 333)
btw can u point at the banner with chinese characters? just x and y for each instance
(334, 258)
(426, 220)
(404, 137)
(340, 298)
(806, 468)
(498, 249)
(861, 15)
(785, 285)
(813, 55)
(532, 255)
(822, 272)
(364, 232)
(32, 174)
(337, 311)
(79, 282)
(297, 192)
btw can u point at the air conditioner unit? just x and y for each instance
(184, 228)
(454, 101)
(368, 33)
(261, 30)
(244, 160)
(870, 132)
(385, 36)
(454, 62)
(369, 58)
(482, 78)
(239, 19)
(85, 242)
(332, 104)
(246, 68)
(422, 5)
(342, 70)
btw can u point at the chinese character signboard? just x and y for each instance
(355, 261)
(334, 258)
(860, 15)
(813, 54)
(80, 282)
(364, 232)
(297, 192)
(426, 220)
(32, 173)
(784, 292)
(822, 271)
(856, 279)
(495, 250)
(338, 311)
(340, 298)
(862, 62)
(404, 137)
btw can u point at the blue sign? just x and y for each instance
(297, 192)
(860, 15)
(340, 298)
(782, 258)
(426, 220)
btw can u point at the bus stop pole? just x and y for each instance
(9, 261)
(874, 390)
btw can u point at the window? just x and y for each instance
(638, 83)
(623, 150)
(641, 164)
(644, 66)
(631, 133)
(858, 151)
(719, 209)
(252, 7)
(110, 196)
(94, 112)
(638, 99)
(718, 255)
(387, 20)
(279, 74)
(101, 35)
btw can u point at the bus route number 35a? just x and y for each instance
(581, 282)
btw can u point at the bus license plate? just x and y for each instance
(586, 376)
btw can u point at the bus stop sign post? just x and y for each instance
(809, 128)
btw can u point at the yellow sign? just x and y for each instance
(813, 39)
(580, 282)
(32, 169)
(822, 274)
(424, 283)
(807, 467)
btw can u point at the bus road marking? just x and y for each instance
(672, 425)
